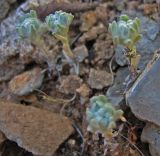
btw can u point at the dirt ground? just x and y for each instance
(92, 43)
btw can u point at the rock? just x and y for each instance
(4, 8)
(119, 56)
(88, 19)
(158, 2)
(149, 9)
(103, 47)
(81, 52)
(92, 33)
(26, 82)
(132, 5)
(12, 51)
(120, 5)
(38, 131)
(84, 90)
(143, 96)
(70, 84)
(9, 70)
(151, 135)
(102, 12)
(11, 1)
(99, 79)
(148, 43)
(115, 93)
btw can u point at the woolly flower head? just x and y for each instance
(125, 32)
(101, 116)
(59, 22)
(29, 26)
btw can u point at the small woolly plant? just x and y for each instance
(125, 32)
(29, 26)
(59, 24)
(102, 116)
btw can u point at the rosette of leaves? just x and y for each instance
(102, 116)
(59, 24)
(126, 32)
(29, 26)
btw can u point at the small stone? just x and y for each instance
(93, 33)
(143, 96)
(149, 8)
(99, 79)
(84, 90)
(71, 143)
(102, 12)
(70, 84)
(103, 47)
(81, 52)
(4, 8)
(151, 135)
(120, 57)
(38, 131)
(88, 19)
(120, 5)
(26, 82)
(133, 5)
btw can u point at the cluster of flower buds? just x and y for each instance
(29, 26)
(125, 32)
(59, 23)
(102, 116)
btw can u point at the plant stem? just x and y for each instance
(67, 50)
(70, 56)
(133, 59)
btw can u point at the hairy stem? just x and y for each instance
(67, 50)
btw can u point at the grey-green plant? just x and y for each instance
(59, 24)
(102, 116)
(29, 26)
(126, 32)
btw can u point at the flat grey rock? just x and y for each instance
(151, 135)
(115, 93)
(144, 96)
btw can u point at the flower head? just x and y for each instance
(125, 32)
(29, 26)
(101, 116)
(59, 23)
